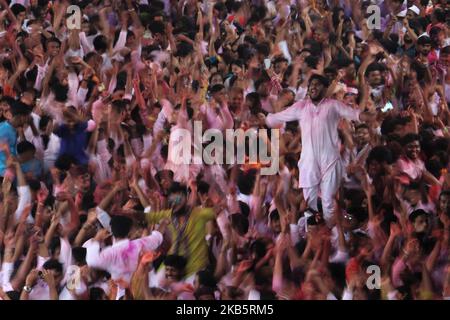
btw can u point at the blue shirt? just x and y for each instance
(33, 166)
(74, 142)
(8, 135)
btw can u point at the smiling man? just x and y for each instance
(320, 166)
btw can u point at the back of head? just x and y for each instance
(54, 265)
(175, 261)
(120, 226)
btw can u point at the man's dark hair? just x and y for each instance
(312, 61)
(176, 261)
(53, 264)
(380, 154)
(55, 243)
(204, 291)
(96, 293)
(240, 223)
(410, 137)
(184, 49)
(100, 43)
(417, 213)
(274, 215)
(263, 48)
(343, 63)
(323, 80)
(259, 248)
(216, 88)
(423, 40)
(202, 187)
(246, 181)
(119, 106)
(177, 187)
(120, 226)
(18, 108)
(374, 66)
(264, 78)
(25, 146)
(361, 126)
(64, 162)
(17, 8)
(206, 278)
(79, 255)
(53, 39)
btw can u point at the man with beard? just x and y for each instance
(187, 228)
(423, 49)
(320, 165)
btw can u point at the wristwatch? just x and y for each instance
(27, 289)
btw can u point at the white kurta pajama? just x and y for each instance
(320, 166)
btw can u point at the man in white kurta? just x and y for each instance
(320, 166)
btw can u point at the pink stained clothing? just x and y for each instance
(100, 160)
(266, 104)
(320, 140)
(121, 259)
(413, 169)
(221, 121)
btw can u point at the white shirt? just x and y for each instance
(121, 259)
(320, 140)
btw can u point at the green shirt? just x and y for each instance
(192, 242)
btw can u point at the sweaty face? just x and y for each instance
(413, 150)
(316, 90)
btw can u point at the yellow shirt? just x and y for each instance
(192, 238)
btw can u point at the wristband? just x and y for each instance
(27, 289)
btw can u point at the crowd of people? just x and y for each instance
(93, 207)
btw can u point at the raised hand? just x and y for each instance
(102, 235)
(395, 230)
(49, 278)
(32, 278)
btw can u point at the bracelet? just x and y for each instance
(27, 289)
(131, 10)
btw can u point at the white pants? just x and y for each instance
(327, 188)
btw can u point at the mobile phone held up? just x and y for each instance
(388, 106)
(267, 64)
